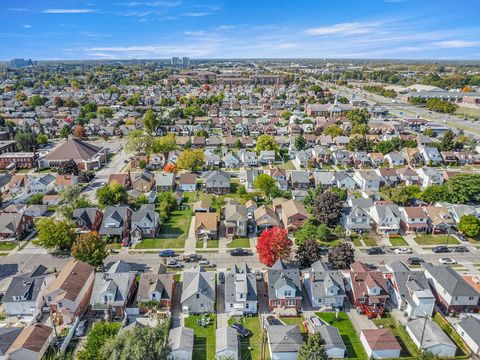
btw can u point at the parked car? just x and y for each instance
(271, 320)
(440, 249)
(241, 330)
(460, 249)
(447, 261)
(191, 257)
(415, 260)
(206, 263)
(238, 252)
(221, 278)
(167, 253)
(81, 327)
(374, 251)
(173, 263)
(461, 236)
(400, 251)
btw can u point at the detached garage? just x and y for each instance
(434, 339)
(380, 344)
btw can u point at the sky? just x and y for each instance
(152, 29)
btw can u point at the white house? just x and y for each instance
(181, 343)
(468, 329)
(284, 341)
(367, 180)
(240, 291)
(324, 287)
(428, 336)
(226, 346)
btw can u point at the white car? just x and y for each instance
(447, 261)
(400, 251)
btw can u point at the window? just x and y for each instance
(49, 298)
(288, 293)
(60, 305)
(231, 305)
(246, 306)
(241, 295)
(197, 296)
(470, 298)
(201, 305)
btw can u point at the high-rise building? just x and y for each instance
(175, 61)
(186, 61)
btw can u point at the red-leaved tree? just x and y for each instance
(274, 244)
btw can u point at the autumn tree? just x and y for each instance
(191, 159)
(164, 144)
(308, 252)
(170, 168)
(327, 208)
(139, 143)
(266, 142)
(79, 132)
(342, 255)
(333, 131)
(274, 244)
(89, 248)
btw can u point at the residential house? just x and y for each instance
(284, 288)
(181, 343)
(24, 295)
(413, 156)
(227, 345)
(279, 175)
(250, 176)
(341, 157)
(377, 159)
(187, 182)
(265, 218)
(413, 219)
(230, 161)
(467, 328)
(324, 178)
(165, 182)
(15, 225)
(430, 176)
(248, 158)
(395, 159)
(386, 218)
(144, 182)
(18, 184)
(429, 337)
(206, 225)
(284, 341)
(8, 336)
(69, 293)
(293, 215)
(117, 223)
(266, 157)
(235, 219)
(439, 220)
(453, 293)
(344, 180)
(123, 180)
(324, 286)
(36, 210)
(87, 219)
(145, 222)
(299, 179)
(361, 159)
(202, 206)
(334, 345)
(449, 157)
(157, 288)
(198, 293)
(389, 176)
(217, 182)
(31, 344)
(240, 291)
(409, 176)
(431, 156)
(380, 344)
(41, 184)
(367, 180)
(251, 206)
(357, 219)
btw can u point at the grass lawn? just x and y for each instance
(409, 349)
(7, 245)
(287, 166)
(356, 241)
(199, 244)
(204, 337)
(349, 336)
(212, 244)
(469, 113)
(369, 241)
(462, 348)
(177, 224)
(398, 241)
(250, 347)
(435, 240)
(172, 243)
(113, 246)
(239, 243)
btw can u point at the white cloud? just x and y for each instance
(196, 14)
(18, 9)
(27, 26)
(67, 11)
(350, 28)
(457, 44)
(155, 3)
(200, 49)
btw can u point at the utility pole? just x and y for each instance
(448, 234)
(423, 332)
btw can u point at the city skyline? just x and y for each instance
(128, 29)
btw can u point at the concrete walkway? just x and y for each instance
(222, 245)
(410, 239)
(190, 243)
(360, 322)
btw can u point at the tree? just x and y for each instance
(42, 139)
(36, 100)
(266, 142)
(308, 252)
(36, 199)
(191, 159)
(327, 208)
(21, 97)
(55, 234)
(68, 167)
(434, 193)
(79, 132)
(97, 338)
(105, 112)
(264, 183)
(150, 121)
(313, 349)
(164, 144)
(469, 225)
(274, 244)
(71, 198)
(333, 131)
(342, 255)
(464, 188)
(89, 248)
(167, 204)
(112, 194)
(25, 140)
(65, 132)
(300, 143)
(139, 143)
(401, 194)
(447, 142)
(358, 116)
(359, 143)
(360, 129)
(428, 132)
(170, 168)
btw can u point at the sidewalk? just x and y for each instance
(222, 245)
(190, 243)
(410, 239)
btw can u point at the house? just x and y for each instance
(31, 343)
(158, 288)
(206, 226)
(341, 157)
(453, 293)
(280, 175)
(284, 288)
(284, 341)
(230, 161)
(409, 176)
(112, 290)
(413, 219)
(409, 290)
(302, 158)
(198, 293)
(216, 182)
(87, 219)
(430, 176)
(248, 158)
(325, 287)
(69, 293)
(63, 181)
(24, 295)
(15, 225)
(36, 210)
(299, 179)
(377, 159)
(227, 344)
(367, 289)
(344, 180)
(116, 223)
(201, 206)
(181, 343)
(144, 182)
(395, 159)
(187, 182)
(235, 219)
(41, 184)
(266, 157)
(389, 176)
(240, 291)
(431, 156)
(8, 336)
(265, 218)
(361, 159)
(124, 180)
(357, 219)
(251, 206)
(468, 330)
(386, 218)
(334, 345)
(439, 220)
(250, 176)
(413, 156)
(323, 178)
(429, 337)
(145, 222)
(293, 215)
(18, 184)
(380, 344)
(165, 182)
(367, 180)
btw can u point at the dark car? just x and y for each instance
(440, 249)
(273, 320)
(167, 253)
(374, 251)
(415, 260)
(243, 331)
(461, 236)
(459, 249)
(238, 252)
(221, 278)
(191, 257)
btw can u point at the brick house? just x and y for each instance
(284, 287)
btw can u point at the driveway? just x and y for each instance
(360, 322)
(222, 317)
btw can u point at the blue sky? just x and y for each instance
(103, 29)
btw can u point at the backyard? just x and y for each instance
(251, 346)
(409, 349)
(347, 331)
(204, 337)
(239, 243)
(435, 240)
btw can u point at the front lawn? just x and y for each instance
(171, 243)
(435, 240)
(347, 331)
(199, 244)
(7, 245)
(239, 243)
(287, 166)
(369, 241)
(212, 244)
(409, 349)
(204, 337)
(251, 347)
(398, 241)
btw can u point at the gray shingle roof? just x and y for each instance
(471, 326)
(26, 285)
(197, 280)
(284, 338)
(450, 280)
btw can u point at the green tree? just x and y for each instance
(139, 143)
(448, 141)
(65, 132)
(264, 183)
(36, 199)
(342, 255)
(360, 129)
(37, 100)
(25, 140)
(313, 349)
(164, 144)
(434, 193)
(150, 121)
(21, 97)
(191, 159)
(359, 143)
(89, 248)
(42, 139)
(333, 131)
(167, 204)
(97, 337)
(266, 142)
(358, 116)
(55, 234)
(300, 143)
(112, 194)
(464, 188)
(428, 132)
(470, 226)
(105, 112)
